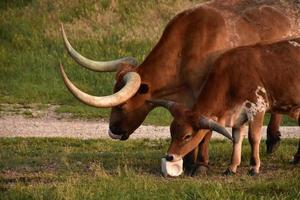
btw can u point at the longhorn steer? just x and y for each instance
(176, 67)
(255, 79)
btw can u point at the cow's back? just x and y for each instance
(280, 70)
(246, 22)
(274, 67)
(195, 37)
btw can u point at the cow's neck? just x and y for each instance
(181, 94)
(212, 100)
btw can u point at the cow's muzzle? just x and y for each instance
(117, 133)
(172, 157)
(114, 136)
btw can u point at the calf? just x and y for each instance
(243, 84)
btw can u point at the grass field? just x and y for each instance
(104, 169)
(38, 168)
(31, 47)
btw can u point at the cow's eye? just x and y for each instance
(187, 137)
(144, 88)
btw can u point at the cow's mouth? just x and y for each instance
(114, 136)
(125, 137)
(120, 136)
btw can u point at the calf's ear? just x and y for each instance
(206, 123)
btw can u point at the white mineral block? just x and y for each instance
(174, 168)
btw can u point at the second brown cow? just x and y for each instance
(243, 84)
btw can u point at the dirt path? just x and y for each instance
(47, 123)
(19, 126)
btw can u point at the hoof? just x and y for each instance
(273, 144)
(296, 160)
(189, 170)
(201, 170)
(229, 172)
(252, 172)
(196, 170)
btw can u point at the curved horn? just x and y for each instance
(164, 103)
(212, 125)
(132, 80)
(173, 107)
(109, 66)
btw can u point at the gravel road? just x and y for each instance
(20, 126)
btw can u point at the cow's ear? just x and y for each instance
(144, 88)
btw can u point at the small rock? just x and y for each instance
(35, 114)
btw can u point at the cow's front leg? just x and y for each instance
(273, 133)
(238, 136)
(196, 162)
(189, 162)
(255, 128)
(297, 155)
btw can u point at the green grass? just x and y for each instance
(158, 116)
(31, 47)
(104, 169)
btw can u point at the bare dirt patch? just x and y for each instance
(42, 121)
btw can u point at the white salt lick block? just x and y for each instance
(173, 169)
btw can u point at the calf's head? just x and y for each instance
(187, 129)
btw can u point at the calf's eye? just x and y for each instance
(187, 137)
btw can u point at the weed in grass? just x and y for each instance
(27, 113)
(10, 4)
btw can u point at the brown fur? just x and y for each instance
(254, 79)
(176, 67)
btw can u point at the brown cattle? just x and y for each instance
(255, 79)
(176, 67)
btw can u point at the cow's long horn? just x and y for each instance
(109, 66)
(212, 125)
(172, 106)
(164, 103)
(132, 80)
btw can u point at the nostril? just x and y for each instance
(169, 158)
